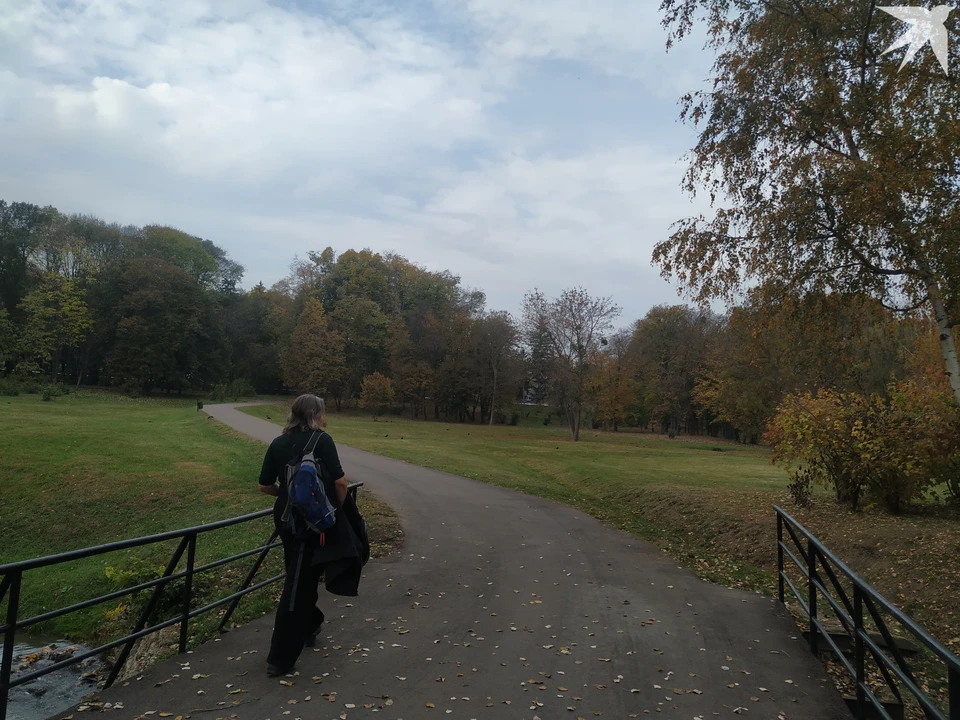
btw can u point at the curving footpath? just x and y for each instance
(502, 605)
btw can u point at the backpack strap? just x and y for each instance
(312, 442)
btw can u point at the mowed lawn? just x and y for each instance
(88, 469)
(641, 483)
(708, 503)
(523, 456)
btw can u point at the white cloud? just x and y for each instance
(613, 36)
(273, 131)
(250, 91)
(545, 221)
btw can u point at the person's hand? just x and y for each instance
(271, 490)
(341, 487)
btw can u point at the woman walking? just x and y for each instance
(298, 618)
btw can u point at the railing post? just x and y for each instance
(812, 592)
(247, 580)
(6, 665)
(780, 588)
(859, 651)
(146, 613)
(954, 693)
(187, 590)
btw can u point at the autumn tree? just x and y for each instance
(363, 328)
(412, 378)
(255, 324)
(56, 316)
(20, 226)
(613, 389)
(454, 379)
(8, 338)
(161, 329)
(419, 384)
(401, 356)
(575, 325)
(830, 169)
(376, 393)
(102, 243)
(360, 274)
(56, 250)
(783, 341)
(886, 447)
(497, 337)
(671, 344)
(313, 360)
(177, 248)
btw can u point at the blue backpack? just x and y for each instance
(308, 511)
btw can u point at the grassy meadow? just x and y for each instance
(90, 468)
(707, 502)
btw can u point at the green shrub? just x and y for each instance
(30, 387)
(132, 572)
(947, 473)
(800, 488)
(232, 391)
(9, 387)
(52, 391)
(132, 389)
(890, 449)
(136, 571)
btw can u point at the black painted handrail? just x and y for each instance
(816, 556)
(12, 581)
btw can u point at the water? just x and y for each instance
(53, 693)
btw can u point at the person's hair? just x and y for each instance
(307, 412)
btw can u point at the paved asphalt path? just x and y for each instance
(502, 605)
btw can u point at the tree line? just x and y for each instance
(154, 308)
(835, 178)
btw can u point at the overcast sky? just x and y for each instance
(517, 143)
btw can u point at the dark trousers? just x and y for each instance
(298, 616)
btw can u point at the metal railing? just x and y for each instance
(822, 572)
(12, 583)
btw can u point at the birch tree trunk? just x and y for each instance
(948, 341)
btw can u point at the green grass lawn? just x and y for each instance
(708, 503)
(91, 468)
(626, 479)
(87, 469)
(521, 456)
